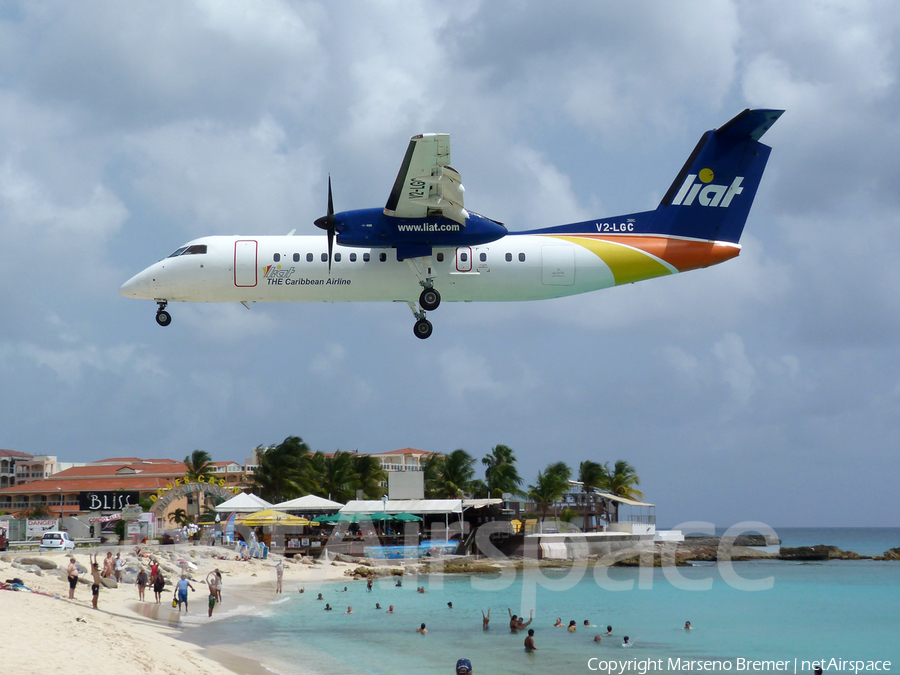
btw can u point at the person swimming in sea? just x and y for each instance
(559, 623)
(608, 630)
(572, 626)
(687, 625)
(529, 641)
(627, 643)
(390, 610)
(328, 607)
(587, 623)
(421, 629)
(597, 638)
(485, 619)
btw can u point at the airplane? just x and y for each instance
(425, 247)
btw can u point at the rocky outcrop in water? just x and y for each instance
(819, 552)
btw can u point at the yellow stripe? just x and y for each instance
(627, 264)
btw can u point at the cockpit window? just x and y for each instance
(196, 249)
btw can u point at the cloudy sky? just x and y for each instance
(763, 389)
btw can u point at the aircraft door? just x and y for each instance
(463, 259)
(245, 263)
(557, 265)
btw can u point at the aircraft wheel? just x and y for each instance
(423, 329)
(429, 299)
(163, 318)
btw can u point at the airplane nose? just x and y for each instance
(138, 286)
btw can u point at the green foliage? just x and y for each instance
(38, 512)
(500, 473)
(198, 465)
(449, 476)
(552, 483)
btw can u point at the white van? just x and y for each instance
(56, 541)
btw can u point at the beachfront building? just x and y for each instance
(96, 492)
(597, 510)
(8, 461)
(405, 459)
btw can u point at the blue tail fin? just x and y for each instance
(712, 194)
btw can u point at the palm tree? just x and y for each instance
(620, 482)
(339, 478)
(500, 474)
(179, 517)
(198, 465)
(591, 475)
(449, 476)
(549, 488)
(622, 479)
(283, 470)
(369, 475)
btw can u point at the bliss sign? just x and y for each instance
(106, 501)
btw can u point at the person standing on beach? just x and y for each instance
(141, 583)
(107, 565)
(219, 586)
(529, 641)
(279, 574)
(95, 587)
(211, 583)
(119, 566)
(72, 575)
(154, 570)
(159, 583)
(181, 592)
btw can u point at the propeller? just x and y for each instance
(327, 223)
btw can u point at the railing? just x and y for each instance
(646, 519)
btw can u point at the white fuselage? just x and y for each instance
(295, 269)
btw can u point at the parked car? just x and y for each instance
(56, 541)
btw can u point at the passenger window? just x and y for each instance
(366, 257)
(382, 257)
(483, 257)
(521, 257)
(309, 257)
(296, 257)
(440, 257)
(277, 257)
(463, 257)
(352, 257)
(337, 257)
(509, 257)
(324, 257)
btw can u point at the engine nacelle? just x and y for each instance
(412, 237)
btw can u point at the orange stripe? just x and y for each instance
(683, 255)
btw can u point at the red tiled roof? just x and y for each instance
(53, 485)
(403, 451)
(15, 454)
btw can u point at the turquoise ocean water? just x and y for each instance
(768, 610)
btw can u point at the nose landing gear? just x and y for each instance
(163, 318)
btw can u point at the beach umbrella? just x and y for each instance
(407, 518)
(380, 516)
(272, 517)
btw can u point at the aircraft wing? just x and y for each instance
(427, 186)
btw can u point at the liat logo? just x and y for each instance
(275, 272)
(705, 191)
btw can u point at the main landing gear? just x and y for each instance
(422, 329)
(163, 318)
(429, 299)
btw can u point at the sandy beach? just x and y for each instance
(44, 632)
